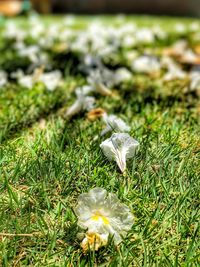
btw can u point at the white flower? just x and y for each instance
(51, 80)
(195, 80)
(102, 214)
(189, 57)
(26, 81)
(3, 78)
(99, 81)
(194, 26)
(128, 41)
(144, 35)
(119, 147)
(122, 75)
(180, 28)
(173, 70)
(83, 102)
(146, 64)
(114, 123)
(32, 52)
(94, 241)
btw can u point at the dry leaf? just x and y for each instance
(95, 113)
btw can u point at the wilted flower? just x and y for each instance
(83, 102)
(102, 214)
(146, 64)
(120, 147)
(114, 123)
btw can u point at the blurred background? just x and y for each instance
(154, 7)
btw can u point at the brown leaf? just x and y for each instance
(95, 114)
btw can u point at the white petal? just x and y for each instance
(119, 147)
(102, 89)
(114, 123)
(74, 109)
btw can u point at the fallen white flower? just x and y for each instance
(102, 214)
(83, 102)
(98, 81)
(122, 75)
(26, 81)
(114, 123)
(144, 35)
(146, 64)
(173, 70)
(51, 79)
(120, 147)
(195, 80)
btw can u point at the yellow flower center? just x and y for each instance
(98, 216)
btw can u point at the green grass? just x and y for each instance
(46, 162)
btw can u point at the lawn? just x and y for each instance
(48, 160)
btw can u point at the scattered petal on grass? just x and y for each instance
(102, 214)
(114, 123)
(120, 147)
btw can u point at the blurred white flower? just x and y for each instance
(146, 64)
(173, 70)
(122, 75)
(51, 79)
(99, 81)
(83, 102)
(26, 81)
(12, 31)
(190, 57)
(114, 123)
(31, 52)
(69, 20)
(180, 28)
(128, 41)
(102, 214)
(120, 147)
(194, 26)
(195, 80)
(3, 78)
(144, 35)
